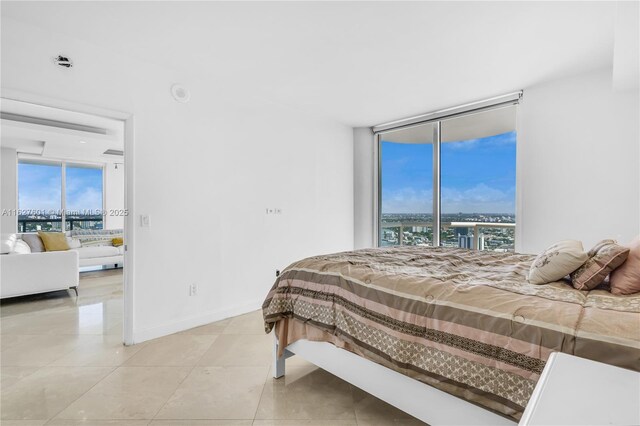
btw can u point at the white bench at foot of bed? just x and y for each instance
(571, 390)
(578, 391)
(422, 401)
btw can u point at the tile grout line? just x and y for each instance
(185, 377)
(84, 393)
(264, 385)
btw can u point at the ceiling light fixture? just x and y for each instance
(82, 141)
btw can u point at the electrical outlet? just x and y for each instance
(193, 290)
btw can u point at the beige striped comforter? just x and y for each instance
(463, 321)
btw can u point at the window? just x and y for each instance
(473, 195)
(407, 187)
(56, 196)
(39, 196)
(84, 197)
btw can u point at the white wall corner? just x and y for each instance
(172, 327)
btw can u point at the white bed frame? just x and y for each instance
(418, 399)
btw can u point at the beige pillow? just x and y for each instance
(603, 258)
(54, 241)
(557, 262)
(626, 279)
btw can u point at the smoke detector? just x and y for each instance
(63, 61)
(180, 93)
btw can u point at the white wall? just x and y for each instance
(204, 171)
(8, 196)
(363, 164)
(113, 196)
(579, 156)
(578, 162)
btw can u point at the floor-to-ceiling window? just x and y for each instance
(472, 194)
(406, 196)
(55, 196)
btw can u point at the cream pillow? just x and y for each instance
(73, 243)
(557, 262)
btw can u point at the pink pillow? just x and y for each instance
(626, 278)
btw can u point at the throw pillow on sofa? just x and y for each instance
(34, 242)
(54, 241)
(73, 243)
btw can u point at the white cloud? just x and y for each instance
(85, 199)
(407, 200)
(478, 199)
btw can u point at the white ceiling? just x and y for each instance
(360, 63)
(53, 140)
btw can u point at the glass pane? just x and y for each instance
(406, 178)
(478, 181)
(84, 197)
(39, 197)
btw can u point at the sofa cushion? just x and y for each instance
(7, 243)
(97, 251)
(34, 241)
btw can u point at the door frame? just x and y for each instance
(127, 118)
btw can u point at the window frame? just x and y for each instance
(63, 182)
(379, 131)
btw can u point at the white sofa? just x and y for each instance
(100, 255)
(94, 247)
(23, 272)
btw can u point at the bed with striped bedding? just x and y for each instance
(465, 322)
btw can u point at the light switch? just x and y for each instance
(145, 221)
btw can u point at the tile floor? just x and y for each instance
(62, 363)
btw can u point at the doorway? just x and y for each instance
(67, 173)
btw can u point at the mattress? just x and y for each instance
(466, 322)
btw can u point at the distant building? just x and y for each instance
(465, 241)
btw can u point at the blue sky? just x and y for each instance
(39, 187)
(478, 176)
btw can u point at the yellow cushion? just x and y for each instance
(117, 242)
(54, 241)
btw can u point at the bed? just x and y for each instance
(465, 323)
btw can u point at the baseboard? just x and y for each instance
(140, 336)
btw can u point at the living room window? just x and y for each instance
(56, 196)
